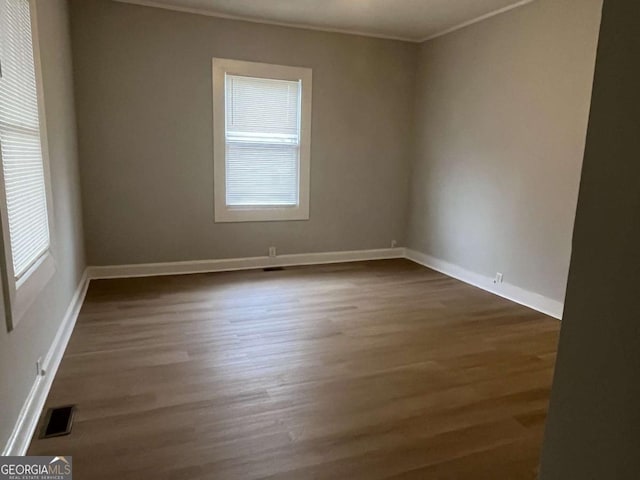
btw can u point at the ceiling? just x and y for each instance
(411, 20)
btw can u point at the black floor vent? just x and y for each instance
(272, 269)
(58, 421)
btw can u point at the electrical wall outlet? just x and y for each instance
(498, 278)
(394, 244)
(272, 251)
(39, 368)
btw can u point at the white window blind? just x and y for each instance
(262, 141)
(22, 164)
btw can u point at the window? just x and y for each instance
(262, 121)
(25, 216)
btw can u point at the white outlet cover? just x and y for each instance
(39, 369)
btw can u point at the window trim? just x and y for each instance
(19, 294)
(223, 212)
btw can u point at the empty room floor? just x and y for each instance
(367, 370)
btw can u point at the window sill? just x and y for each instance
(227, 214)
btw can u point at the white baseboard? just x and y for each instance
(27, 421)
(511, 292)
(249, 263)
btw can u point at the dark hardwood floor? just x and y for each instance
(370, 370)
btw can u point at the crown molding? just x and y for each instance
(304, 26)
(479, 19)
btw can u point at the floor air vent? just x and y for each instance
(58, 421)
(272, 269)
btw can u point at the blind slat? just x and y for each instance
(262, 141)
(22, 162)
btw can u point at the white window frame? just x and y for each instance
(20, 294)
(224, 212)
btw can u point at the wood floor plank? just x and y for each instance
(367, 370)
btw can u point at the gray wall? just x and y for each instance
(593, 429)
(143, 78)
(32, 337)
(501, 115)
